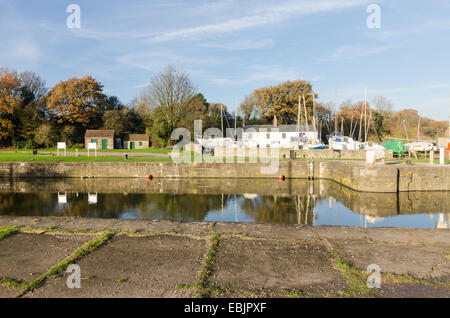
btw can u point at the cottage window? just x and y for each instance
(268, 136)
(283, 136)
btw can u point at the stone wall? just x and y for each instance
(388, 178)
(284, 153)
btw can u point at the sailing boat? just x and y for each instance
(314, 143)
(337, 141)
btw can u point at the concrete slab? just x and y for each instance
(412, 290)
(192, 227)
(17, 221)
(135, 267)
(338, 232)
(25, 257)
(142, 226)
(409, 235)
(416, 260)
(50, 222)
(442, 271)
(87, 224)
(9, 292)
(299, 232)
(258, 265)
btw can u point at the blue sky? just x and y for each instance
(231, 47)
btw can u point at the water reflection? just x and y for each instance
(263, 201)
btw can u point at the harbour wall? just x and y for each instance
(389, 178)
(284, 153)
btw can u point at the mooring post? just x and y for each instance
(441, 156)
(431, 156)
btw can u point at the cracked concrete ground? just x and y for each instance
(173, 259)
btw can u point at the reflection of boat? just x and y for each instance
(442, 223)
(92, 198)
(62, 198)
(250, 196)
(373, 219)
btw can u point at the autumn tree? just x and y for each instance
(10, 100)
(77, 102)
(45, 135)
(282, 100)
(249, 109)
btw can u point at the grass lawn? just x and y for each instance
(147, 150)
(22, 156)
(28, 157)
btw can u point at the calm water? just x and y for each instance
(262, 201)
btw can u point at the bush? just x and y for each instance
(77, 146)
(29, 144)
(23, 144)
(45, 136)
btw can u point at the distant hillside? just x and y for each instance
(394, 127)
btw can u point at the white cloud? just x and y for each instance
(26, 50)
(348, 52)
(240, 45)
(262, 15)
(266, 75)
(156, 60)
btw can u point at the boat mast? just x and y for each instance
(299, 120)
(314, 112)
(306, 114)
(335, 110)
(418, 130)
(365, 114)
(360, 125)
(351, 127)
(406, 132)
(221, 118)
(299, 117)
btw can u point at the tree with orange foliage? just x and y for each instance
(10, 99)
(77, 102)
(282, 100)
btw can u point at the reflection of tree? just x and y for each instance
(273, 209)
(186, 207)
(29, 204)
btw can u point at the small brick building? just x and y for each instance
(103, 138)
(136, 141)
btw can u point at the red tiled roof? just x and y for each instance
(137, 137)
(99, 133)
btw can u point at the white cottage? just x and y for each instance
(283, 136)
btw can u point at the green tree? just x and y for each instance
(168, 99)
(32, 111)
(123, 121)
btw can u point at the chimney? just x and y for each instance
(275, 121)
